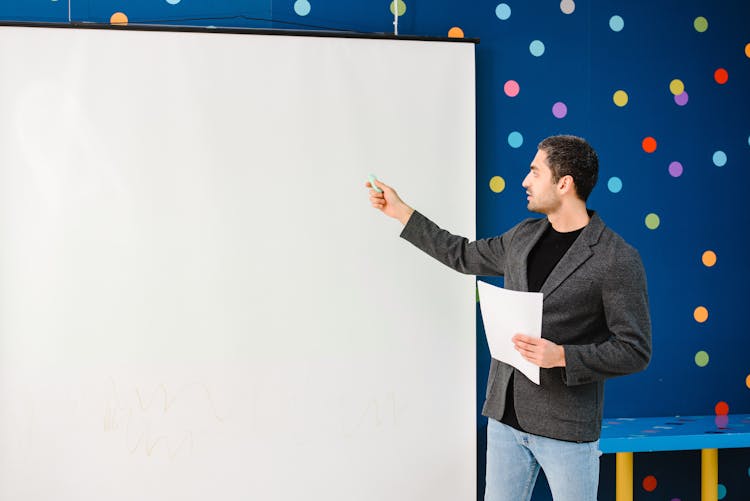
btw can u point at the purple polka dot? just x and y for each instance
(675, 169)
(559, 110)
(721, 421)
(681, 99)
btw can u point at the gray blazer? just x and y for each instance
(595, 305)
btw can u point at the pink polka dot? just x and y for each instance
(681, 99)
(512, 88)
(559, 110)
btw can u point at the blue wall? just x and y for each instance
(588, 56)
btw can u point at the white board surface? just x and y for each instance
(196, 299)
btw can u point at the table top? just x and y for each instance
(675, 433)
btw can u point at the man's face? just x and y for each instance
(542, 192)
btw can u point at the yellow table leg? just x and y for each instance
(709, 474)
(624, 479)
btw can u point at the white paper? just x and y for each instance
(506, 313)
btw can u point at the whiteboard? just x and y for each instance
(196, 299)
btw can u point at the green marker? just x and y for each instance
(372, 180)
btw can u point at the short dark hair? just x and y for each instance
(572, 156)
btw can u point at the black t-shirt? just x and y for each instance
(542, 259)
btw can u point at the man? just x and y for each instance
(595, 322)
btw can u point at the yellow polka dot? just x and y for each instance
(676, 87)
(118, 18)
(620, 98)
(652, 221)
(701, 359)
(455, 32)
(497, 184)
(401, 8)
(700, 314)
(709, 258)
(700, 24)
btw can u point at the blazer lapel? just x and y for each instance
(578, 254)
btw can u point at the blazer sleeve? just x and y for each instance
(482, 257)
(627, 348)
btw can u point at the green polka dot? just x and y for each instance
(700, 24)
(401, 7)
(701, 359)
(497, 184)
(652, 221)
(477, 288)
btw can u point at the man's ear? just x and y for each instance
(565, 184)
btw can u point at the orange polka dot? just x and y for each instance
(700, 314)
(722, 409)
(747, 50)
(649, 144)
(118, 18)
(747, 381)
(455, 32)
(649, 483)
(721, 76)
(709, 258)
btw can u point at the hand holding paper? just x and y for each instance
(539, 351)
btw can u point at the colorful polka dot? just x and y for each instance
(747, 381)
(747, 50)
(118, 18)
(708, 258)
(569, 6)
(681, 99)
(303, 7)
(721, 421)
(649, 483)
(616, 23)
(719, 158)
(502, 11)
(721, 408)
(675, 169)
(497, 184)
(455, 32)
(721, 76)
(701, 359)
(700, 314)
(676, 87)
(648, 144)
(700, 24)
(620, 98)
(559, 110)
(652, 221)
(536, 48)
(614, 184)
(721, 491)
(511, 88)
(515, 139)
(401, 7)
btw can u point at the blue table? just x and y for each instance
(624, 436)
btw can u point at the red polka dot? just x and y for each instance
(722, 409)
(649, 483)
(649, 144)
(721, 76)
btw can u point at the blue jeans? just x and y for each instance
(514, 459)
